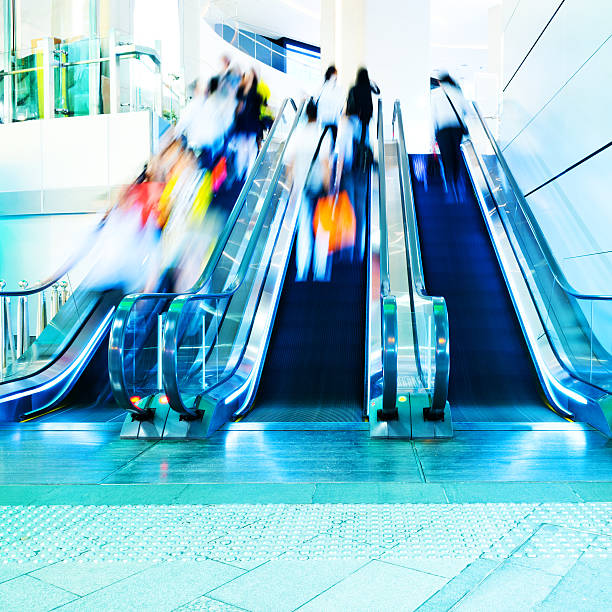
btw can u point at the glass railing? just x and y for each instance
(137, 342)
(85, 77)
(207, 359)
(428, 314)
(304, 68)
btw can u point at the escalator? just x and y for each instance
(525, 345)
(491, 373)
(314, 368)
(63, 375)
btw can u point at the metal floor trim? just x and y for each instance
(296, 426)
(521, 426)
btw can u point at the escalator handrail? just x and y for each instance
(550, 259)
(413, 248)
(127, 304)
(388, 303)
(176, 309)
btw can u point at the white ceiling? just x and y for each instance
(460, 23)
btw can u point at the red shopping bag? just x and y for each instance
(335, 215)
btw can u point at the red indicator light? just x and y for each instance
(135, 399)
(163, 399)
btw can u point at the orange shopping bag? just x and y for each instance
(335, 215)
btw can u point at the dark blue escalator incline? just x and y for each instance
(315, 363)
(492, 377)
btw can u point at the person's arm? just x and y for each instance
(374, 87)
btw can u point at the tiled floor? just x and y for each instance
(460, 556)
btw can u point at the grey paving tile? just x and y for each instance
(553, 549)
(247, 493)
(378, 586)
(163, 587)
(593, 491)
(511, 587)
(379, 493)
(518, 492)
(284, 585)
(116, 495)
(445, 567)
(206, 604)
(26, 593)
(334, 547)
(459, 586)
(15, 495)
(10, 570)
(83, 578)
(586, 587)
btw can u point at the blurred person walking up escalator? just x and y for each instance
(450, 128)
(330, 103)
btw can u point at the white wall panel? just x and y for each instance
(575, 213)
(573, 125)
(20, 161)
(528, 21)
(508, 8)
(83, 163)
(569, 41)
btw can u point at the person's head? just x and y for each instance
(195, 88)
(363, 78)
(330, 72)
(447, 79)
(311, 111)
(225, 63)
(213, 85)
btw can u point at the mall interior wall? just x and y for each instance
(556, 130)
(390, 38)
(556, 125)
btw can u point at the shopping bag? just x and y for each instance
(202, 199)
(334, 215)
(219, 174)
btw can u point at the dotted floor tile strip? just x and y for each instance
(247, 535)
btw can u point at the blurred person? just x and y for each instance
(309, 168)
(247, 124)
(449, 129)
(229, 76)
(330, 103)
(192, 109)
(349, 175)
(207, 131)
(360, 99)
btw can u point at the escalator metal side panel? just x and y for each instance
(53, 383)
(238, 392)
(568, 395)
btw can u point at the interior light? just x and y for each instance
(163, 399)
(135, 399)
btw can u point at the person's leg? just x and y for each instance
(304, 238)
(446, 145)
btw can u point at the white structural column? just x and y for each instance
(190, 16)
(390, 38)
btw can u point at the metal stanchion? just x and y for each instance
(65, 291)
(3, 359)
(55, 305)
(41, 314)
(23, 322)
(160, 351)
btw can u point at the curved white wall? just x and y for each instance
(556, 120)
